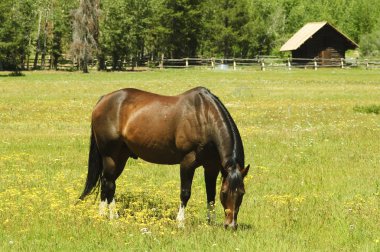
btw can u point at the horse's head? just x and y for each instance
(232, 192)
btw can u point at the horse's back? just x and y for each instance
(157, 128)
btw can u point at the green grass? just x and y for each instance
(314, 182)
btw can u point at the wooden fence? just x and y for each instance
(260, 63)
(264, 63)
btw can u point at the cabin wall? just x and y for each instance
(327, 43)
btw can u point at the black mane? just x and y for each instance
(234, 179)
(237, 150)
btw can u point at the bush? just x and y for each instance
(371, 109)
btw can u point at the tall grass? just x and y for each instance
(314, 184)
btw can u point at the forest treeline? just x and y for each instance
(117, 30)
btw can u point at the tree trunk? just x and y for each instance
(22, 61)
(28, 53)
(44, 49)
(101, 62)
(85, 59)
(115, 59)
(38, 42)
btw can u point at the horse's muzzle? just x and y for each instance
(232, 225)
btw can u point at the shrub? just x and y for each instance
(371, 109)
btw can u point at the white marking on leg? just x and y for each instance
(102, 208)
(181, 217)
(211, 216)
(113, 211)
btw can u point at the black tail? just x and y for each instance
(95, 168)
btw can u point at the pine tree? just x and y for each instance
(182, 20)
(15, 33)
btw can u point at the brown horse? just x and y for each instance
(190, 129)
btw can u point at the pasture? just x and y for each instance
(314, 182)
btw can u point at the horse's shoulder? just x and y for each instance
(130, 94)
(197, 90)
(131, 91)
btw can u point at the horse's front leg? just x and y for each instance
(211, 174)
(187, 170)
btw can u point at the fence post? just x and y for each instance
(342, 63)
(289, 64)
(366, 64)
(315, 64)
(234, 64)
(73, 63)
(162, 62)
(212, 63)
(187, 62)
(262, 65)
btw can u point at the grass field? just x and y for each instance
(314, 182)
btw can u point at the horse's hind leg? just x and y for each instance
(113, 166)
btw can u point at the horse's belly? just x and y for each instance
(153, 146)
(156, 153)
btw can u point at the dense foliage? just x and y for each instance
(136, 29)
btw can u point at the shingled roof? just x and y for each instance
(306, 32)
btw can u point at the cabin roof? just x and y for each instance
(306, 32)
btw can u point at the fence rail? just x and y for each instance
(260, 62)
(267, 62)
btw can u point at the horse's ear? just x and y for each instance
(244, 172)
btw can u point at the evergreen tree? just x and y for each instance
(139, 12)
(182, 21)
(115, 31)
(226, 28)
(136, 29)
(16, 21)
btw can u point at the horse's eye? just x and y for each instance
(240, 191)
(224, 194)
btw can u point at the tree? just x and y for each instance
(268, 25)
(370, 43)
(115, 30)
(157, 33)
(182, 22)
(136, 29)
(128, 31)
(85, 32)
(61, 31)
(43, 32)
(139, 13)
(363, 16)
(15, 33)
(226, 28)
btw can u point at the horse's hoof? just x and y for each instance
(181, 225)
(114, 216)
(102, 208)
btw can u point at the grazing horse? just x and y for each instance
(190, 129)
